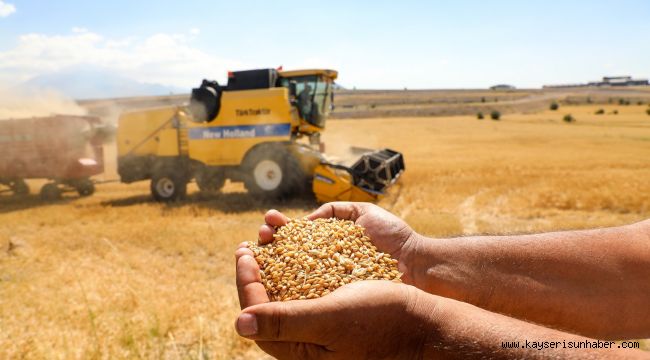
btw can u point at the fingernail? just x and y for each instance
(247, 324)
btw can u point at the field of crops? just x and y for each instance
(116, 275)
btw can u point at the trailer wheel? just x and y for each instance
(85, 187)
(19, 187)
(273, 172)
(50, 192)
(167, 186)
(210, 181)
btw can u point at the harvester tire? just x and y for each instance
(19, 187)
(168, 186)
(50, 192)
(85, 187)
(273, 172)
(210, 181)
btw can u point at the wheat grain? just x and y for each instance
(309, 259)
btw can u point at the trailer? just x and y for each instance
(64, 149)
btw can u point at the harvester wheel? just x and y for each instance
(273, 172)
(168, 186)
(50, 192)
(85, 187)
(210, 181)
(19, 187)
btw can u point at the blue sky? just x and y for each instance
(373, 44)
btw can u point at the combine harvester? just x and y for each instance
(262, 129)
(65, 149)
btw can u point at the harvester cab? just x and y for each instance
(263, 129)
(312, 94)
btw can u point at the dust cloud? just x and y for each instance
(25, 103)
(346, 150)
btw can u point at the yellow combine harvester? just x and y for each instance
(263, 128)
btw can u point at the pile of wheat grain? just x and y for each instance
(309, 259)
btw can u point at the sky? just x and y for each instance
(373, 44)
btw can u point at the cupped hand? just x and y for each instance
(387, 232)
(365, 319)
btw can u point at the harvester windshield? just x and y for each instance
(313, 95)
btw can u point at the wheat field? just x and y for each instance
(117, 275)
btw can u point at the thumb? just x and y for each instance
(304, 321)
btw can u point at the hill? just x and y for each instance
(94, 83)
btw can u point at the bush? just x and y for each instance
(615, 112)
(554, 106)
(568, 118)
(647, 111)
(495, 115)
(600, 111)
(480, 115)
(639, 103)
(621, 101)
(483, 99)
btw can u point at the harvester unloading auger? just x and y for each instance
(263, 129)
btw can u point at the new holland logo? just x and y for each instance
(239, 132)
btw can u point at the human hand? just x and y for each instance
(381, 319)
(365, 319)
(387, 232)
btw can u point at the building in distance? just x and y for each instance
(502, 87)
(607, 81)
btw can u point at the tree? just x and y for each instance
(568, 118)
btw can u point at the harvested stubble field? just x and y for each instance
(408, 103)
(119, 276)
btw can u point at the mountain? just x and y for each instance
(93, 83)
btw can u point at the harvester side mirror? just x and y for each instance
(292, 89)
